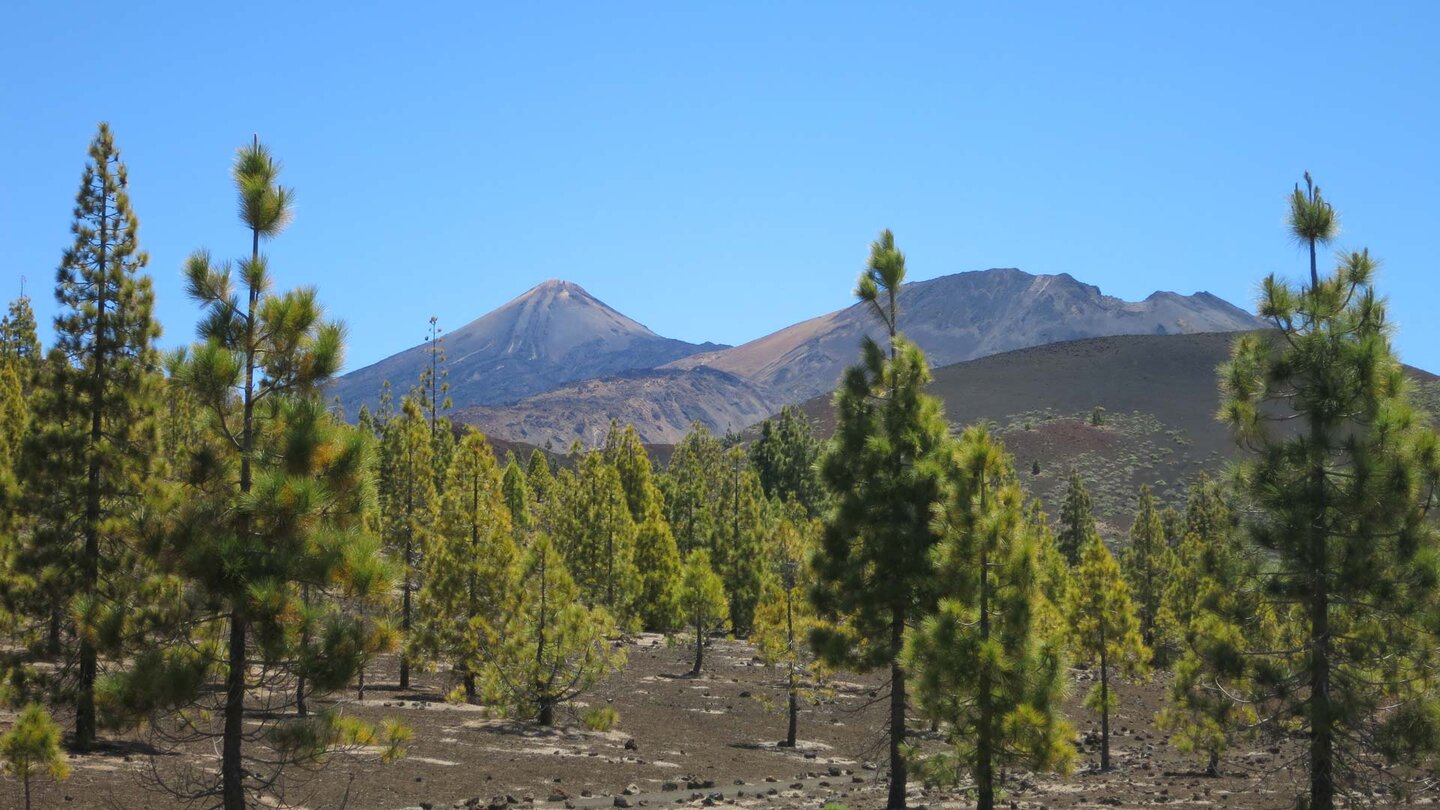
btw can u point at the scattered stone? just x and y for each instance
(631, 745)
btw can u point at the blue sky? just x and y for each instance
(716, 171)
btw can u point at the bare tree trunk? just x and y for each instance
(898, 775)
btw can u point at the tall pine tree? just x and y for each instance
(268, 511)
(873, 569)
(469, 565)
(89, 456)
(1343, 503)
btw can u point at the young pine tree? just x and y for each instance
(553, 648)
(1106, 630)
(1214, 611)
(983, 663)
(1342, 480)
(32, 747)
(785, 617)
(702, 601)
(19, 344)
(469, 565)
(657, 559)
(89, 457)
(740, 529)
(1148, 564)
(408, 503)
(786, 457)
(1077, 519)
(874, 575)
(593, 529)
(517, 496)
(690, 484)
(267, 511)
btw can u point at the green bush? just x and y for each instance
(603, 718)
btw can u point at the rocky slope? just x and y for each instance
(964, 316)
(662, 405)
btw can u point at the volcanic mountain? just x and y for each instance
(554, 334)
(962, 317)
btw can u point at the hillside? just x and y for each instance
(1160, 398)
(964, 316)
(555, 333)
(661, 404)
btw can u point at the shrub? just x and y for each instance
(602, 718)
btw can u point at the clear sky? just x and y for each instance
(717, 170)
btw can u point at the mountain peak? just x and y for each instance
(551, 334)
(556, 285)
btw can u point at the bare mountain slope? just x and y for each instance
(1160, 396)
(552, 335)
(662, 404)
(964, 316)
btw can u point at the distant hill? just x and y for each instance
(556, 333)
(662, 404)
(1159, 427)
(964, 316)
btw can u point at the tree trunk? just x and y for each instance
(547, 712)
(1213, 768)
(985, 742)
(232, 769)
(471, 693)
(791, 735)
(1104, 701)
(898, 778)
(90, 562)
(699, 649)
(405, 620)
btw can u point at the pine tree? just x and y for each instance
(14, 424)
(19, 344)
(1077, 519)
(89, 456)
(739, 544)
(1342, 479)
(983, 664)
(657, 559)
(1052, 572)
(786, 457)
(785, 616)
(1214, 612)
(553, 648)
(702, 601)
(594, 531)
(1147, 564)
(435, 379)
(32, 747)
(627, 455)
(1106, 630)
(268, 510)
(873, 570)
(540, 482)
(690, 485)
(408, 503)
(468, 565)
(517, 495)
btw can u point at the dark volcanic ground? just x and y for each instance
(713, 732)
